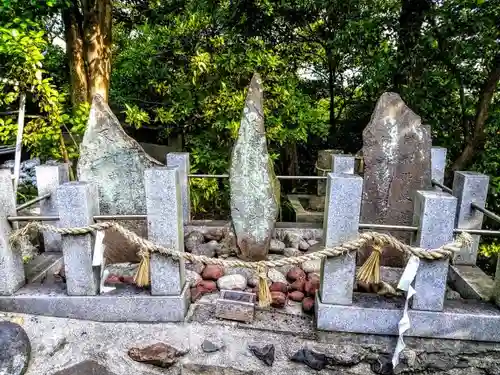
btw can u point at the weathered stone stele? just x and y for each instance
(115, 163)
(397, 157)
(253, 184)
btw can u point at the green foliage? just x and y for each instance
(22, 43)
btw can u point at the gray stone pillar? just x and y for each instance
(469, 187)
(343, 164)
(11, 263)
(48, 179)
(165, 228)
(434, 216)
(340, 224)
(181, 160)
(496, 287)
(438, 165)
(77, 203)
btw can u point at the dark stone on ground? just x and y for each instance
(314, 360)
(210, 347)
(397, 152)
(383, 366)
(15, 349)
(265, 353)
(159, 354)
(85, 368)
(253, 185)
(278, 299)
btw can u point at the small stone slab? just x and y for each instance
(253, 185)
(397, 157)
(116, 163)
(235, 305)
(210, 347)
(15, 349)
(159, 354)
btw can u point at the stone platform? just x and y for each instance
(61, 346)
(127, 304)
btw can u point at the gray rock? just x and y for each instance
(303, 245)
(316, 247)
(253, 185)
(452, 294)
(197, 267)
(207, 249)
(230, 282)
(192, 240)
(276, 247)
(85, 368)
(291, 252)
(210, 347)
(15, 349)
(115, 163)
(276, 276)
(397, 154)
(312, 242)
(292, 240)
(247, 273)
(312, 266)
(192, 278)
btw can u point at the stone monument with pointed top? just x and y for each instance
(253, 184)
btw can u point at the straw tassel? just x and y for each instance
(142, 277)
(264, 292)
(369, 272)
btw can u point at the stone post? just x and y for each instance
(181, 160)
(11, 263)
(165, 228)
(48, 179)
(438, 165)
(340, 224)
(78, 203)
(343, 164)
(434, 216)
(496, 287)
(469, 187)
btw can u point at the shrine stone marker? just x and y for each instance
(253, 184)
(397, 157)
(115, 163)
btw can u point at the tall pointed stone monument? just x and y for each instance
(253, 184)
(397, 157)
(115, 163)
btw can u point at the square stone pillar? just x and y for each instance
(469, 187)
(434, 215)
(78, 203)
(165, 228)
(48, 179)
(340, 224)
(11, 263)
(438, 165)
(343, 164)
(181, 160)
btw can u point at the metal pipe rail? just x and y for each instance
(445, 188)
(33, 201)
(278, 177)
(405, 228)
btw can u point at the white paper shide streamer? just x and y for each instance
(405, 285)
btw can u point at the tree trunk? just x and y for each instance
(72, 19)
(476, 139)
(97, 31)
(411, 18)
